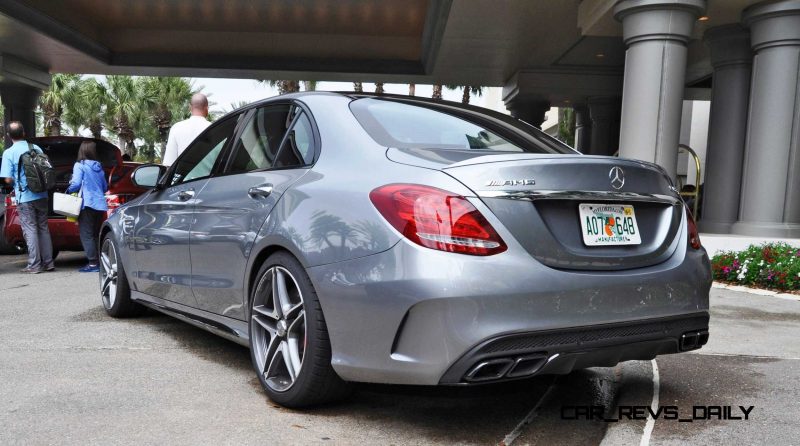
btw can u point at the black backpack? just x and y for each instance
(39, 173)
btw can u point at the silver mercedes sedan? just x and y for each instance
(359, 238)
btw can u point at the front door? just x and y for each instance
(274, 149)
(164, 220)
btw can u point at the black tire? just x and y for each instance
(317, 382)
(117, 302)
(55, 254)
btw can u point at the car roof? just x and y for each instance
(357, 95)
(439, 104)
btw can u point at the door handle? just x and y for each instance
(260, 191)
(185, 195)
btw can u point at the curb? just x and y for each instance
(757, 291)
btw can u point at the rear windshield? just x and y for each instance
(65, 153)
(411, 126)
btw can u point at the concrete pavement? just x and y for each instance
(72, 375)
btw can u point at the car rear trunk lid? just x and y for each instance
(63, 152)
(537, 198)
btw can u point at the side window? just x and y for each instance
(258, 146)
(298, 149)
(198, 160)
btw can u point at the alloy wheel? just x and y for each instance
(108, 273)
(278, 328)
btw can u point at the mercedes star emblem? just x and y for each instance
(617, 177)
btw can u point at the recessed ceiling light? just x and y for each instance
(703, 18)
(599, 55)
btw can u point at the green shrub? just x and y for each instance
(772, 265)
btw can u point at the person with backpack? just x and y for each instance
(89, 178)
(27, 168)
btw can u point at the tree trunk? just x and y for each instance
(465, 96)
(52, 121)
(358, 87)
(378, 87)
(437, 92)
(412, 89)
(97, 129)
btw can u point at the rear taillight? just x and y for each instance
(113, 201)
(437, 219)
(116, 200)
(694, 236)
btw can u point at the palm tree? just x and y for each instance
(62, 90)
(72, 109)
(85, 107)
(437, 92)
(378, 87)
(467, 91)
(477, 91)
(309, 85)
(165, 99)
(566, 125)
(94, 97)
(358, 87)
(283, 86)
(412, 89)
(123, 105)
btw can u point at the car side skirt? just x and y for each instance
(232, 329)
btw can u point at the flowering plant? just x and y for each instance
(771, 265)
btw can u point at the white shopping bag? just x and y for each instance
(68, 205)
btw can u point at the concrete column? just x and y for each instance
(732, 60)
(605, 115)
(770, 204)
(20, 105)
(531, 112)
(656, 33)
(583, 129)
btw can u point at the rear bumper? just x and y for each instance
(411, 315)
(64, 234)
(562, 351)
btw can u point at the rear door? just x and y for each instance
(164, 219)
(274, 148)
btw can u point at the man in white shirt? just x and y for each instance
(183, 133)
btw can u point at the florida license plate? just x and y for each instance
(609, 224)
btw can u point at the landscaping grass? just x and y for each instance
(773, 266)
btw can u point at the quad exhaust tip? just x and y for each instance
(494, 369)
(693, 340)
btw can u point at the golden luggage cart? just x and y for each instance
(696, 193)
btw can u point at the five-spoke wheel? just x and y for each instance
(289, 342)
(278, 328)
(115, 292)
(108, 273)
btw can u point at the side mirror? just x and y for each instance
(147, 176)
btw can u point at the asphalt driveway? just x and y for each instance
(71, 375)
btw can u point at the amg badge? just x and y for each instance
(528, 182)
